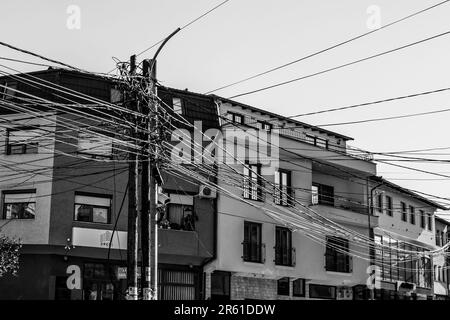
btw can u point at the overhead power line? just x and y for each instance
(40, 56)
(385, 118)
(329, 48)
(341, 66)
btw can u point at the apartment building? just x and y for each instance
(259, 256)
(441, 260)
(406, 222)
(66, 199)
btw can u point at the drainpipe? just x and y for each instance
(370, 212)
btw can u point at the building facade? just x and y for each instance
(64, 193)
(441, 260)
(260, 257)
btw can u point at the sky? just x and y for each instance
(242, 38)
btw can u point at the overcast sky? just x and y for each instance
(245, 37)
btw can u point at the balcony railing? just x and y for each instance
(340, 203)
(254, 252)
(285, 256)
(350, 151)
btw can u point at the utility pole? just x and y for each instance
(132, 235)
(148, 240)
(148, 227)
(147, 188)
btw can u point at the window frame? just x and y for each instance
(283, 258)
(324, 198)
(338, 257)
(93, 195)
(22, 191)
(389, 205)
(412, 215)
(288, 289)
(234, 116)
(264, 125)
(302, 285)
(380, 203)
(180, 107)
(333, 290)
(404, 211)
(278, 194)
(25, 146)
(422, 219)
(252, 182)
(252, 252)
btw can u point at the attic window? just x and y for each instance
(177, 105)
(7, 90)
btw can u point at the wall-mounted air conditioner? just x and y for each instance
(207, 192)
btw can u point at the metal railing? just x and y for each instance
(254, 252)
(285, 256)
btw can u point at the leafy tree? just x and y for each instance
(9, 255)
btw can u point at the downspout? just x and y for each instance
(370, 212)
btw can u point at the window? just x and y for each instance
(181, 217)
(323, 143)
(314, 194)
(7, 90)
(322, 292)
(282, 191)
(177, 105)
(220, 285)
(22, 141)
(236, 118)
(404, 213)
(95, 145)
(380, 202)
(283, 247)
(336, 255)
(252, 182)
(430, 222)
(412, 215)
(252, 242)
(92, 208)
(283, 286)
(323, 194)
(389, 206)
(19, 204)
(262, 125)
(319, 142)
(438, 238)
(177, 284)
(298, 288)
(422, 219)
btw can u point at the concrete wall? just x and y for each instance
(405, 228)
(29, 171)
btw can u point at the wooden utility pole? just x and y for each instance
(132, 235)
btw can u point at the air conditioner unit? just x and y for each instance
(207, 192)
(344, 293)
(406, 286)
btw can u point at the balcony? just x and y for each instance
(180, 243)
(285, 256)
(344, 211)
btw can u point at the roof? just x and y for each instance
(274, 115)
(444, 221)
(408, 192)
